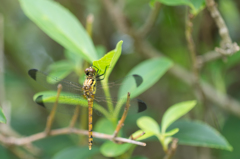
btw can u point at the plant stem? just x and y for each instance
(192, 50)
(53, 111)
(150, 21)
(121, 121)
(29, 139)
(108, 95)
(90, 19)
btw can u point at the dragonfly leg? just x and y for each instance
(99, 75)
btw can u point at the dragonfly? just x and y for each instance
(88, 91)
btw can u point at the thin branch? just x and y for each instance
(227, 46)
(90, 19)
(136, 137)
(75, 116)
(7, 131)
(207, 57)
(20, 153)
(143, 47)
(119, 18)
(53, 111)
(172, 149)
(223, 30)
(146, 28)
(41, 135)
(121, 121)
(192, 50)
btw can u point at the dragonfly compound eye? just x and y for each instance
(92, 70)
(87, 71)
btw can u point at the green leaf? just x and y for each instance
(148, 124)
(60, 69)
(167, 140)
(196, 133)
(109, 60)
(110, 149)
(195, 5)
(61, 25)
(61, 65)
(50, 97)
(175, 112)
(175, 2)
(150, 70)
(67, 98)
(104, 126)
(61, 74)
(76, 60)
(145, 136)
(101, 50)
(172, 132)
(76, 153)
(2, 117)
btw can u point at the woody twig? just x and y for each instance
(136, 137)
(53, 111)
(227, 47)
(121, 121)
(172, 149)
(75, 116)
(26, 140)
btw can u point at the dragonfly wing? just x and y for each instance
(128, 84)
(50, 82)
(136, 105)
(142, 106)
(135, 80)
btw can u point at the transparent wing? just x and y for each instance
(133, 82)
(51, 83)
(72, 94)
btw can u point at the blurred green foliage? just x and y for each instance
(26, 46)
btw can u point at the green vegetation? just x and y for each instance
(175, 48)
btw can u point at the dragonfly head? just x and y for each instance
(90, 71)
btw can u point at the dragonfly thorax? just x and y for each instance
(89, 85)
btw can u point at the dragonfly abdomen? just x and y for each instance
(90, 108)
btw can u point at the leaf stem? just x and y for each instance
(107, 94)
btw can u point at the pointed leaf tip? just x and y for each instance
(175, 112)
(148, 124)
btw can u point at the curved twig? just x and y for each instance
(41, 135)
